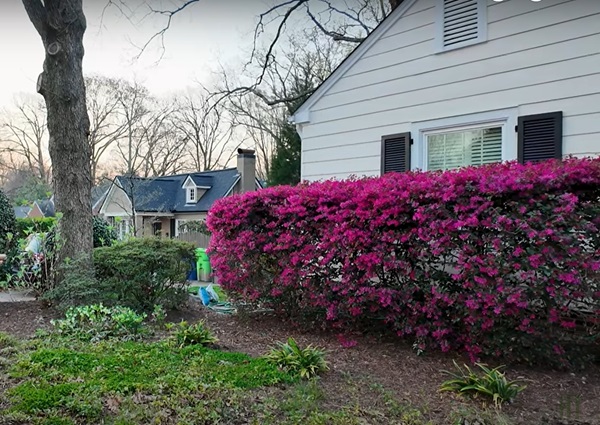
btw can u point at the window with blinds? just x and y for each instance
(455, 149)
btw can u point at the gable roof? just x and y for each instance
(165, 194)
(22, 212)
(46, 206)
(302, 114)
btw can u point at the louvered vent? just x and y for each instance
(460, 22)
(395, 155)
(540, 137)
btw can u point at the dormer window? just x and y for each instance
(191, 195)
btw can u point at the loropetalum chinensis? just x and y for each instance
(499, 260)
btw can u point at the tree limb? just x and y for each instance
(37, 15)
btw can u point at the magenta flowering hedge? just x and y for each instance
(501, 260)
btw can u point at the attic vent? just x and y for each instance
(461, 23)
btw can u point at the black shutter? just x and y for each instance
(540, 137)
(395, 153)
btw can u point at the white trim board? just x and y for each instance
(507, 118)
(302, 114)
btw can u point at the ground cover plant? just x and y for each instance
(489, 382)
(373, 382)
(501, 260)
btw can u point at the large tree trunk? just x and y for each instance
(61, 25)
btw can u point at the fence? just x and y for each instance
(197, 238)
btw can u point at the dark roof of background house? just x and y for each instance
(166, 194)
(21, 212)
(100, 190)
(47, 207)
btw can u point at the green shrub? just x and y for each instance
(196, 334)
(140, 273)
(78, 286)
(104, 233)
(7, 234)
(492, 383)
(97, 322)
(307, 362)
(26, 226)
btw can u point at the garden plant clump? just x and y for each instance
(500, 260)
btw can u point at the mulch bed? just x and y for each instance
(373, 360)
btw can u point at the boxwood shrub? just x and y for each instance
(140, 273)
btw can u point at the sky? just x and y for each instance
(208, 32)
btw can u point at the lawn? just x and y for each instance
(53, 380)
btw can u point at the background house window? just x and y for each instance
(460, 23)
(191, 195)
(454, 149)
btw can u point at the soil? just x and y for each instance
(552, 397)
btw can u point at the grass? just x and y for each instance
(58, 381)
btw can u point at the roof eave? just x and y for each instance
(302, 114)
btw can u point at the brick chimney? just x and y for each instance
(246, 166)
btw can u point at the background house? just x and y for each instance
(446, 83)
(39, 209)
(159, 206)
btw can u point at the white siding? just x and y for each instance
(539, 57)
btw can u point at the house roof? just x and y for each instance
(302, 114)
(165, 194)
(21, 212)
(46, 207)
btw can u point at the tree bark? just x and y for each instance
(61, 25)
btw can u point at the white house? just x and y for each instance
(446, 83)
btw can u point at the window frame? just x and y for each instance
(191, 195)
(482, 24)
(507, 119)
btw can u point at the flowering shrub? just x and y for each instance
(496, 260)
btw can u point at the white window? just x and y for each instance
(460, 23)
(123, 227)
(191, 195)
(464, 141)
(459, 148)
(178, 227)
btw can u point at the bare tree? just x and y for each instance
(165, 149)
(134, 105)
(107, 124)
(61, 25)
(305, 63)
(24, 134)
(207, 130)
(348, 22)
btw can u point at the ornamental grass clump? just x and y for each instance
(491, 383)
(501, 260)
(307, 362)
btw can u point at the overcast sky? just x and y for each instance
(207, 31)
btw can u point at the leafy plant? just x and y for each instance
(307, 362)
(104, 234)
(141, 273)
(472, 260)
(194, 334)
(159, 315)
(29, 225)
(97, 322)
(78, 286)
(7, 234)
(492, 383)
